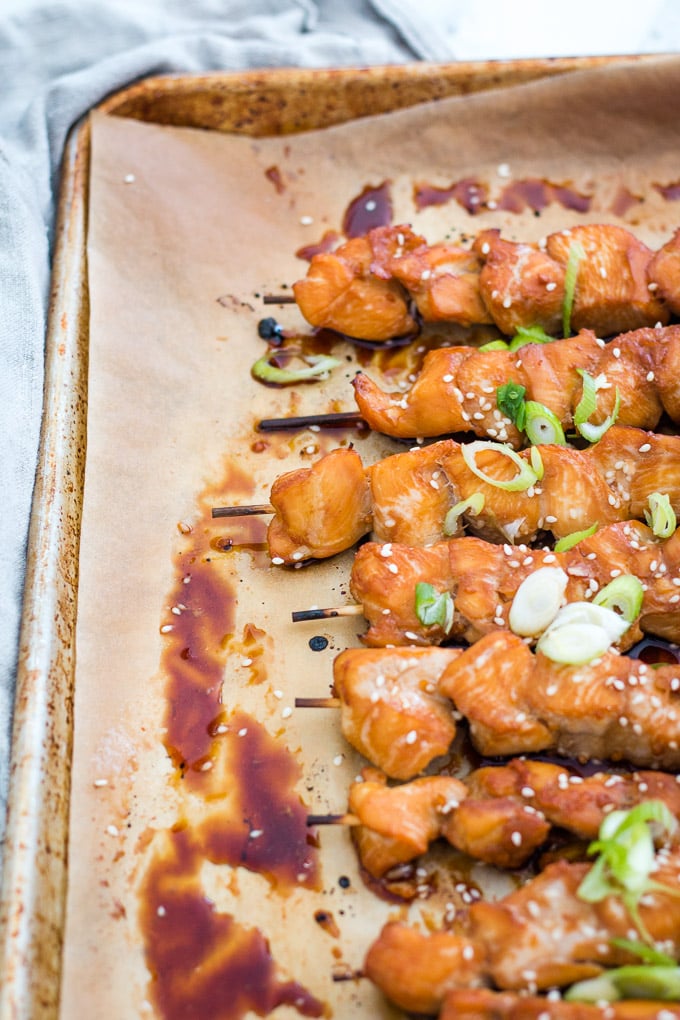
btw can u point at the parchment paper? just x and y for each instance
(186, 228)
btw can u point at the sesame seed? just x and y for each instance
(650, 377)
(616, 351)
(101, 782)
(411, 737)
(242, 732)
(286, 713)
(551, 286)
(507, 301)
(645, 448)
(486, 248)
(393, 568)
(468, 953)
(503, 170)
(166, 628)
(277, 560)
(516, 838)
(129, 179)
(112, 830)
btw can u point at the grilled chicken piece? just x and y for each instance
(538, 937)
(614, 707)
(520, 284)
(362, 288)
(443, 280)
(389, 698)
(483, 579)
(515, 702)
(612, 292)
(320, 510)
(342, 292)
(405, 498)
(664, 270)
(399, 823)
(570, 801)
(456, 388)
(499, 814)
(415, 971)
(485, 1004)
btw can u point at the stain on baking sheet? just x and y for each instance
(203, 963)
(241, 807)
(372, 208)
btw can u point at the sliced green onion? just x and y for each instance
(626, 857)
(648, 954)
(510, 400)
(569, 541)
(576, 253)
(494, 345)
(580, 633)
(639, 981)
(588, 404)
(537, 463)
(624, 595)
(434, 608)
(537, 601)
(661, 516)
(472, 505)
(317, 367)
(524, 479)
(529, 335)
(541, 425)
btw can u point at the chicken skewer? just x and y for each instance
(482, 580)
(485, 1004)
(456, 388)
(594, 276)
(396, 705)
(504, 496)
(498, 814)
(539, 937)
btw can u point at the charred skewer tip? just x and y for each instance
(300, 615)
(330, 819)
(255, 510)
(332, 420)
(278, 299)
(317, 702)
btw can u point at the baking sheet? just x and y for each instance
(188, 230)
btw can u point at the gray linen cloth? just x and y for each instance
(58, 59)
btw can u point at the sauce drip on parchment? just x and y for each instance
(202, 961)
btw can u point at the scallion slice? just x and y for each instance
(626, 857)
(580, 633)
(510, 401)
(661, 516)
(495, 345)
(541, 425)
(529, 335)
(524, 479)
(537, 463)
(317, 366)
(587, 405)
(472, 505)
(637, 981)
(537, 601)
(576, 253)
(624, 595)
(569, 541)
(434, 608)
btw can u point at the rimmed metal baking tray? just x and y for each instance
(256, 103)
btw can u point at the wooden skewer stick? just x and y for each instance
(243, 511)
(317, 702)
(326, 614)
(278, 299)
(332, 420)
(346, 819)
